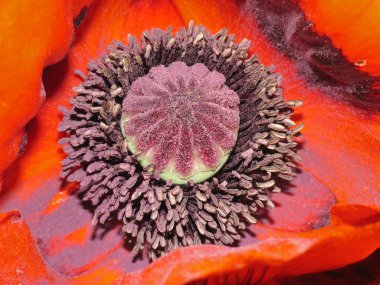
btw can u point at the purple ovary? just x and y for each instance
(182, 114)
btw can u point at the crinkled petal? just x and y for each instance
(281, 254)
(365, 272)
(34, 34)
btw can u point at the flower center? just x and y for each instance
(193, 108)
(181, 120)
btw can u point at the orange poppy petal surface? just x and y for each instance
(299, 236)
(365, 272)
(286, 254)
(33, 34)
(353, 26)
(20, 260)
(282, 254)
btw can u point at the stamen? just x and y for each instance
(186, 103)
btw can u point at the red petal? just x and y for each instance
(281, 254)
(339, 160)
(365, 273)
(353, 27)
(20, 260)
(34, 34)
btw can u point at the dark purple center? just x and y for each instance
(182, 119)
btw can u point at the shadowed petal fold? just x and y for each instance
(34, 34)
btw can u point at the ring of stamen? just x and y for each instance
(157, 214)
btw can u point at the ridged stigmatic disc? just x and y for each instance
(183, 120)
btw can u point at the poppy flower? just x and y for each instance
(328, 217)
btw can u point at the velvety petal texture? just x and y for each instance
(353, 27)
(327, 218)
(364, 272)
(34, 34)
(20, 260)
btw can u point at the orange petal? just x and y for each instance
(338, 149)
(34, 34)
(20, 260)
(353, 27)
(282, 254)
(365, 273)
